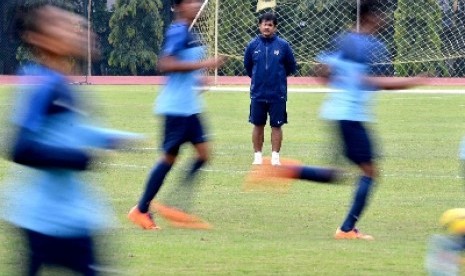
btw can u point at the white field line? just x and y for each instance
(417, 175)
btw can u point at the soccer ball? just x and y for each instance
(453, 221)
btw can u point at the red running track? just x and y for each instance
(157, 80)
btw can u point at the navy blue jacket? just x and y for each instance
(268, 61)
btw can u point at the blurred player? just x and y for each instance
(180, 105)
(347, 70)
(444, 255)
(46, 195)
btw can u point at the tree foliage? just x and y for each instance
(307, 25)
(421, 35)
(235, 29)
(310, 27)
(417, 26)
(136, 35)
(100, 25)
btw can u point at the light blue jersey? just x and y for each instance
(179, 96)
(53, 200)
(349, 100)
(352, 98)
(462, 150)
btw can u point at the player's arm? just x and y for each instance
(290, 63)
(26, 150)
(381, 56)
(322, 72)
(395, 83)
(170, 64)
(105, 138)
(323, 67)
(176, 40)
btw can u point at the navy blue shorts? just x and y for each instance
(260, 110)
(356, 142)
(182, 129)
(74, 253)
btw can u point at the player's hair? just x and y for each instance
(370, 7)
(24, 19)
(269, 16)
(177, 2)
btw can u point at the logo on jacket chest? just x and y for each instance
(275, 52)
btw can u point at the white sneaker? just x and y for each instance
(275, 159)
(257, 158)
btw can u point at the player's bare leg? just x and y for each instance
(182, 196)
(276, 141)
(258, 138)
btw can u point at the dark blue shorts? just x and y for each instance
(356, 142)
(74, 253)
(260, 110)
(182, 129)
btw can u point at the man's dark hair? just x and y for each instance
(269, 16)
(177, 2)
(370, 7)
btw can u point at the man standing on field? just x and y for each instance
(268, 61)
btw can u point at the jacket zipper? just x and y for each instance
(266, 56)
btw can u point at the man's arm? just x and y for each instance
(290, 63)
(248, 60)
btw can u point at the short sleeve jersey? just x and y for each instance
(352, 98)
(48, 200)
(43, 94)
(179, 95)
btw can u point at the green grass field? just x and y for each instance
(273, 233)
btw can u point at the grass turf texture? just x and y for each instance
(259, 233)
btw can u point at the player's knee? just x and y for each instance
(204, 156)
(169, 159)
(372, 173)
(203, 153)
(369, 170)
